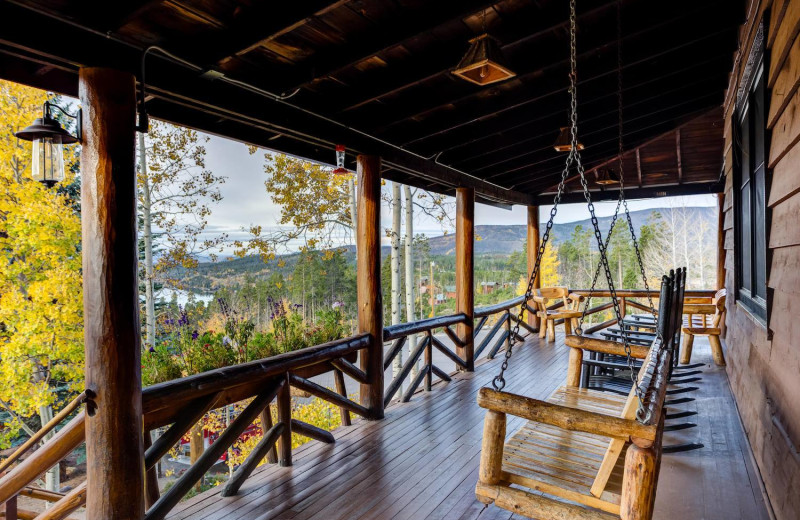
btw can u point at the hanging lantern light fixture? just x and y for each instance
(340, 153)
(483, 62)
(49, 138)
(606, 177)
(564, 141)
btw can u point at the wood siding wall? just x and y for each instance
(764, 362)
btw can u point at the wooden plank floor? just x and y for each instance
(421, 462)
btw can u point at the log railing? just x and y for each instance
(399, 334)
(628, 298)
(181, 403)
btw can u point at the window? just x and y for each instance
(750, 188)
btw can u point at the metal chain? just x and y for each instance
(621, 200)
(499, 381)
(574, 159)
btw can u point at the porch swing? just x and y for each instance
(567, 461)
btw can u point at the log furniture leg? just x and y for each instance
(638, 483)
(688, 342)
(716, 349)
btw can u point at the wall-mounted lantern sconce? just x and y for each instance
(49, 138)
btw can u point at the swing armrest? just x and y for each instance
(605, 346)
(575, 297)
(572, 419)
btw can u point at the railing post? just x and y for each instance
(114, 443)
(370, 304)
(533, 249)
(285, 417)
(9, 509)
(429, 362)
(465, 272)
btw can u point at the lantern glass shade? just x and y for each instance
(483, 62)
(48, 160)
(606, 177)
(564, 141)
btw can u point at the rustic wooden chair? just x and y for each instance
(715, 309)
(569, 310)
(585, 454)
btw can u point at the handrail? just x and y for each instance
(67, 439)
(415, 327)
(488, 310)
(39, 435)
(642, 293)
(172, 393)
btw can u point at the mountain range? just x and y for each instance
(498, 240)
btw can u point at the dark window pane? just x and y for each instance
(746, 243)
(759, 234)
(759, 125)
(745, 149)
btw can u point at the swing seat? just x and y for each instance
(581, 454)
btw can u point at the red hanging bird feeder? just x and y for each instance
(340, 169)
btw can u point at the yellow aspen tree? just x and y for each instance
(41, 302)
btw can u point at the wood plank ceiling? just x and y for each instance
(375, 75)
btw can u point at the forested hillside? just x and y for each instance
(692, 244)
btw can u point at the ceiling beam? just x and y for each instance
(444, 57)
(411, 24)
(175, 84)
(678, 154)
(256, 25)
(650, 192)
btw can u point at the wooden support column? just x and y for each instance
(465, 272)
(720, 241)
(114, 443)
(533, 249)
(368, 279)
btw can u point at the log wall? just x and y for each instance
(764, 361)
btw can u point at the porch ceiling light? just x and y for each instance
(48, 137)
(564, 141)
(483, 62)
(606, 177)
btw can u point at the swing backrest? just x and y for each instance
(555, 293)
(648, 375)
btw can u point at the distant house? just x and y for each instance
(450, 292)
(488, 287)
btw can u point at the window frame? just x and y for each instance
(750, 293)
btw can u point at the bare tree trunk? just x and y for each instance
(395, 266)
(147, 232)
(409, 264)
(353, 204)
(52, 478)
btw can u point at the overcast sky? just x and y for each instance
(245, 200)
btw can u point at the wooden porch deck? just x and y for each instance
(421, 462)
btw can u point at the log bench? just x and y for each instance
(582, 453)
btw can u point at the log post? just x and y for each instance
(720, 252)
(639, 481)
(533, 249)
(574, 367)
(114, 443)
(720, 241)
(494, 435)
(465, 272)
(368, 280)
(285, 418)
